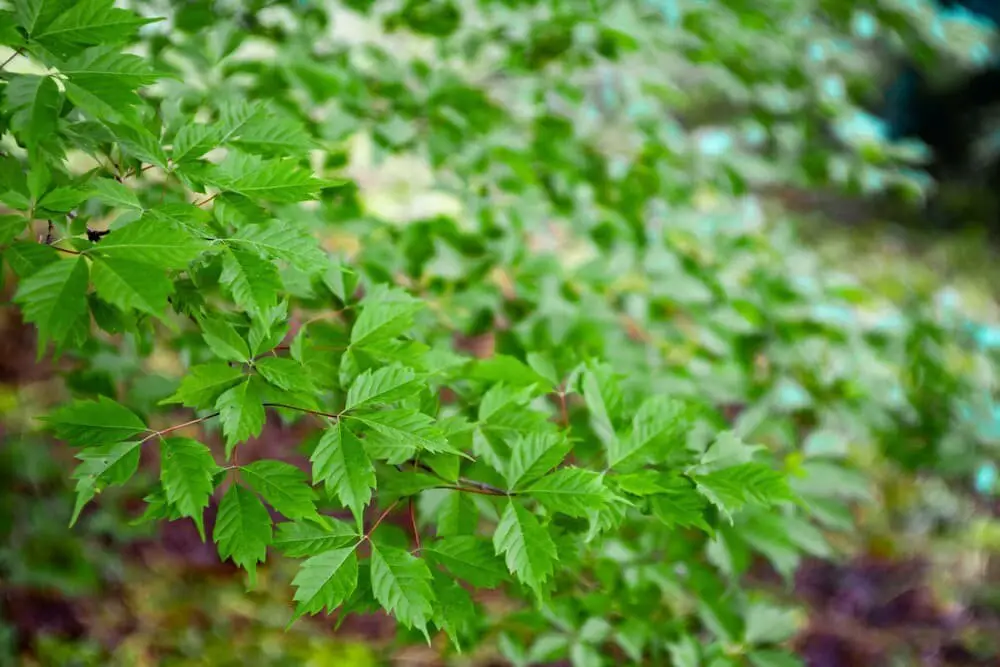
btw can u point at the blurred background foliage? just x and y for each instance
(701, 193)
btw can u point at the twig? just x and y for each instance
(413, 522)
(177, 427)
(12, 56)
(318, 413)
(468, 485)
(367, 535)
(207, 199)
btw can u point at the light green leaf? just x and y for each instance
(241, 413)
(571, 491)
(603, 397)
(284, 241)
(283, 486)
(89, 22)
(770, 624)
(272, 134)
(276, 180)
(285, 373)
(35, 102)
(325, 581)
(129, 285)
(253, 281)
(385, 314)
(54, 299)
(151, 242)
(682, 505)
(457, 515)
(401, 583)
(187, 472)
(526, 545)
(534, 454)
(62, 199)
(454, 611)
(731, 489)
(243, 530)
(384, 385)
(470, 558)
(85, 423)
(299, 539)
(396, 435)
(223, 340)
(203, 384)
(115, 194)
(659, 425)
(340, 462)
(101, 466)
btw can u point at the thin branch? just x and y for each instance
(177, 427)
(12, 56)
(207, 199)
(318, 413)
(67, 250)
(413, 522)
(378, 521)
(468, 485)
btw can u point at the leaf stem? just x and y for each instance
(308, 411)
(16, 53)
(413, 522)
(207, 199)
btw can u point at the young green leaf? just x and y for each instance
(275, 180)
(101, 466)
(401, 584)
(202, 385)
(187, 472)
(526, 545)
(223, 340)
(299, 539)
(85, 423)
(454, 611)
(457, 515)
(396, 435)
(243, 530)
(659, 424)
(253, 281)
(241, 413)
(114, 193)
(283, 241)
(470, 558)
(131, 285)
(342, 464)
(151, 242)
(571, 491)
(283, 486)
(285, 373)
(603, 397)
(533, 455)
(386, 313)
(85, 23)
(384, 385)
(325, 581)
(730, 489)
(35, 102)
(54, 299)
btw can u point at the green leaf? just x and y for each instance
(571, 491)
(454, 611)
(470, 558)
(770, 624)
(299, 539)
(151, 242)
(533, 455)
(224, 341)
(401, 583)
(342, 464)
(62, 199)
(396, 435)
(659, 425)
(275, 180)
(283, 241)
(241, 413)
(35, 102)
(603, 397)
(384, 385)
(285, 373)
(89, 22)
(11, 226)
(385, 314)
(101, 466)
(325, 581)
(36, 15)
(457, 515)
(682, 505)
(129, 285)
(526, 545)
(202, 385)
(84, 423)
(243, 530)
(194, 140)
(187, 472)
(271, 134)
(283, 486)
(731, 489)
(54, 299)
(253, 281)
(509, 370)
(114, 193)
